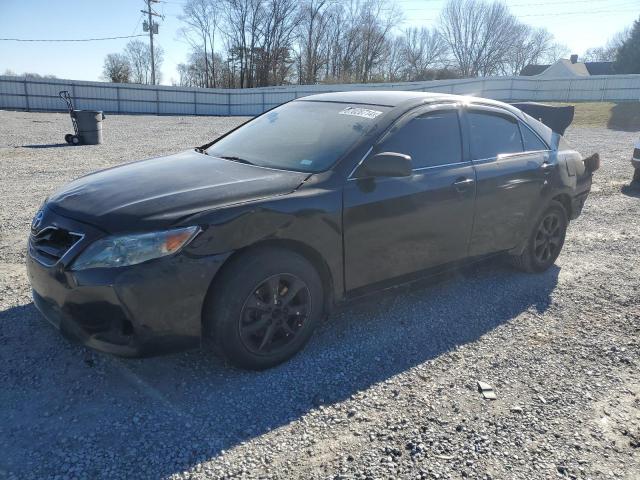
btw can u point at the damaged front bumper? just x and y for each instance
(153, 307)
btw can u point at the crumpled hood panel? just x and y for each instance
(156, 193)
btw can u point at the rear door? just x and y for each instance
(510, 177)
(396, 226)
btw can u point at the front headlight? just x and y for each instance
(122, 250)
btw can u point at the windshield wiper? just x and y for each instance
(226, 157)
(235, 159)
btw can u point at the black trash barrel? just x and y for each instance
(89, 126)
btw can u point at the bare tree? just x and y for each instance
(195, 74)
(599, 54)
(480, 35)
(360, 40)
(273, 42)
(117, 68)
(422, 50)
(243, 19)
(343, 42)
(139, 56)
(531, 45)
(378, 19)
(315, 16)
(395, 64)
(201, 19)
(277, 35)
(555, 52)
(607, 52)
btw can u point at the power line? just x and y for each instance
(592, 12)
(543, 4)
(555, 14)
(135, 29)
(66, 39)
(518, 5)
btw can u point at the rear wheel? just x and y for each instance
(264, 308)
(545, 242)
(75, 140)
(67, 137)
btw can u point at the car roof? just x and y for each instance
(387, 98)
(393, 98)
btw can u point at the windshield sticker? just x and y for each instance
(360, 112)
(306, 162)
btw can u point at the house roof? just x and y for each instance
(579, 68)
(600, 68)
(532, 69)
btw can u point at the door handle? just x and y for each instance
(463, 183)
(547, 167)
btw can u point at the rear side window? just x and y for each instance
(432, 139)
(531, 141)
(493, 135)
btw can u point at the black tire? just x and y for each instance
(75, 140)
(636, 174)
(545, 241)
(241, 308)
(67, 137)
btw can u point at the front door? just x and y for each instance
(397, 226)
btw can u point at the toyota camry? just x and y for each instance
(244, 244)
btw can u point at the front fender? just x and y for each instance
(309, 216)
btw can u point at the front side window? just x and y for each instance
(493, 135)
(431, 139)
(304, 136)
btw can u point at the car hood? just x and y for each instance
(158, 192)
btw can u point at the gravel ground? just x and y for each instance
(386, 389)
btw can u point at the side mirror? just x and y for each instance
(386, 164)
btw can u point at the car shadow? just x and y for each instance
(163, 415)
(625, 117)
(631, 190)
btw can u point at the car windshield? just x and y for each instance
(303, 136)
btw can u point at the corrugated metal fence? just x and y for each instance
(18, 93)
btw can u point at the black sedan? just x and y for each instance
(244, 244)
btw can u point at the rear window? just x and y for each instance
(493, 135)
(304, 136)
(531, 141)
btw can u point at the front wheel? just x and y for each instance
(636, 175)
(545, 242)
(264, 308)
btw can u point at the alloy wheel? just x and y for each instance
(548, 239)
(274, 314)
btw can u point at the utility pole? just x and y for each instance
(153, 29)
